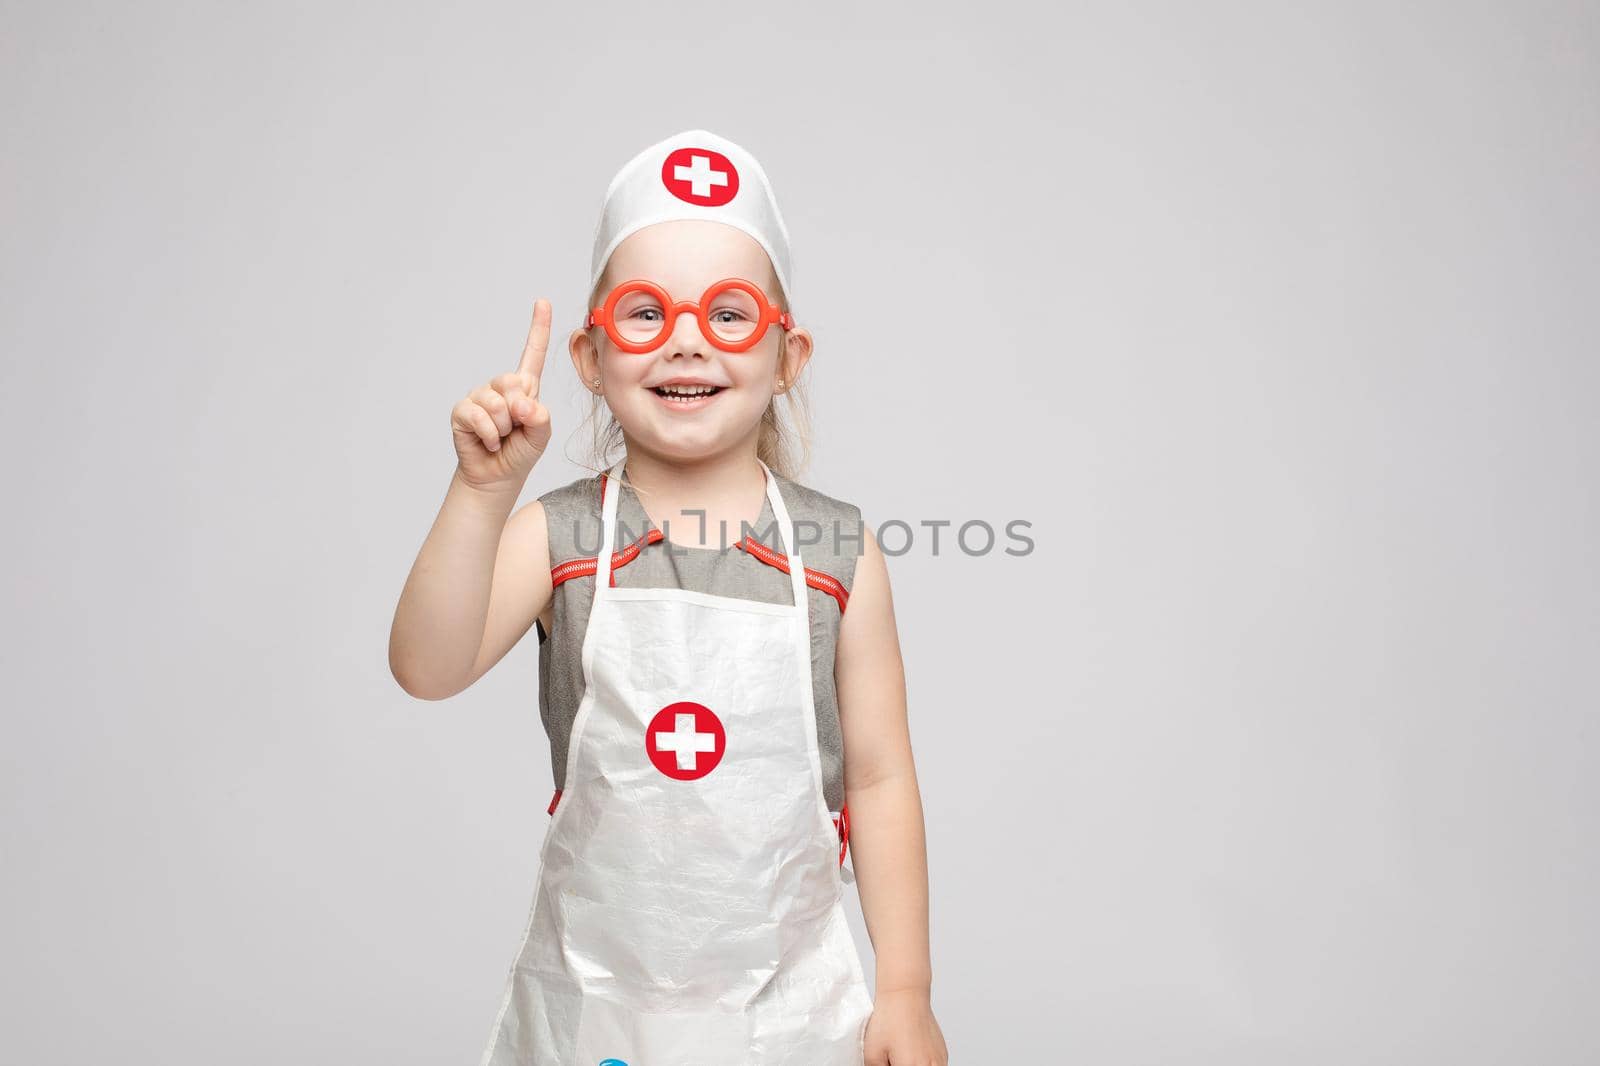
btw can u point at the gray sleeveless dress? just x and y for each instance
(828, 533)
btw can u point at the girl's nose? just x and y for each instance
(686, 337)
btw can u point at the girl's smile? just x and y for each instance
(686, 393)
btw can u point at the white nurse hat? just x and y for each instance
(693, 174)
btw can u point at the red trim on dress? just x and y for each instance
(842, 824)
(817, 579)
(586, 566)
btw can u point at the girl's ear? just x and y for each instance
(796, 354)
(585, 359)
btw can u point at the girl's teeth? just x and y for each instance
(684, 393)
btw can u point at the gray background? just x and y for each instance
(1278, 322)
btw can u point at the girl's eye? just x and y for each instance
(643, 314)
(737, 315)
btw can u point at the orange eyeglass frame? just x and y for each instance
(769, 315)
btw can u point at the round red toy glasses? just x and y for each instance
(734, 315)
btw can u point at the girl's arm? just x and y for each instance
(477, 585)
(886, 829)
(480, 579)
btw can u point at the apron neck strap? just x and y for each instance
(780, 514)
(608, 525)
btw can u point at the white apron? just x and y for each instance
(689, 906)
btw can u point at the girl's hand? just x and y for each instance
(902, 1032)
(501, 428)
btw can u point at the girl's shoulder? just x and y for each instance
(572, 517)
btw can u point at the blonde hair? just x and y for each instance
(785, 440)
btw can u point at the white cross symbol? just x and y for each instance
(686, 740)
(699, 174)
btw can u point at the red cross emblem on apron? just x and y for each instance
(685, 740)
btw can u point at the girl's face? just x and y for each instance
(684, 257)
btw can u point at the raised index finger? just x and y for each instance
(538, 340)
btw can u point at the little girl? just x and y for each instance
(725, 717)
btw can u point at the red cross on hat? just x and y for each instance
(700, 176)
